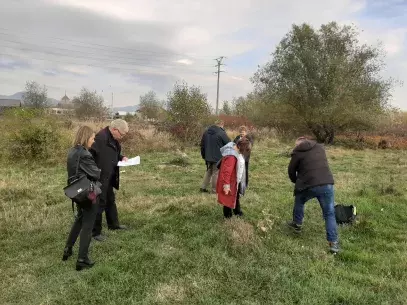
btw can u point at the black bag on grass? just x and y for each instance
(345, 214)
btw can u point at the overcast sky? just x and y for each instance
(129, 47)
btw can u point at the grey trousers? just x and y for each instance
(211, 175)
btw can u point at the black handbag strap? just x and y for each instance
(76, 176)
(77, 164)
(76, 170)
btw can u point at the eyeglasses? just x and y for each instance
(121, 134)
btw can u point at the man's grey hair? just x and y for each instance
(300, 140)
(120, 124)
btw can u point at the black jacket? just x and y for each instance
(212, 140)
(309, 166)
(87, 166)
(107, 153)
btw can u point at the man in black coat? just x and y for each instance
(106, 151)
(310, 172)
(212, 140)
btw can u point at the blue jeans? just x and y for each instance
(325, 196)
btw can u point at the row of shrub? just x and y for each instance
(389, 141)
(33, 137)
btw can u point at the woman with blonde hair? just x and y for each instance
(80, 163)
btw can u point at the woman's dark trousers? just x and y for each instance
(227, 212)
(83, 225)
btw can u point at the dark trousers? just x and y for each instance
(246, 163)
(107, 205)
(83, 224)
(227, 212)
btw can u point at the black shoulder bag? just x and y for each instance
(345, 214)
(79, 188)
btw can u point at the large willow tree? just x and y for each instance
(327, 78)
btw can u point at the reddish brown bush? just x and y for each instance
(357, 141)
(234, 122)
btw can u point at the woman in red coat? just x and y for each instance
(232, 177)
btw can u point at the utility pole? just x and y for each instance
(219, 63)
(112, 105)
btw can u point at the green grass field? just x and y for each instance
(180, 250)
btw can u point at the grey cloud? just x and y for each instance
(158, 83)
(61, 71)
(11, 64)
(50, 72)
(81, 37)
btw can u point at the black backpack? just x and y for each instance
(345, 214)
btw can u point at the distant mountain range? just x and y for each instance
(19, 96)
(126, 108)
(54, 102)
(15, 96)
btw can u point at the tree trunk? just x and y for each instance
(329, 134)
(331, 137)
(318, 132)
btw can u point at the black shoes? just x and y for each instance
(84, 264)
(240, 214)
(80, 263)
(99, 237)
(227, 214)
(119, 227)
(295, 227)
(67, 253)
(203, 190)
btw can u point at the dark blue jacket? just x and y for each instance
(212, 140)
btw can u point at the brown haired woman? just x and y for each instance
(85, 218)
(232, 176)
(243, 132)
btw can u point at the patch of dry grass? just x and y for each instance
(241, 233)
(169, 293)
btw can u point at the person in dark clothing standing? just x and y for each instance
(86, 215)
(243, 132)
(310, 172)
(212, 140)
(107, 153)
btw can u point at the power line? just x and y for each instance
(88, 65)
(109, 56)
(129, 52)
(92, 45)
(219, 63)
(63, 49)
(110, 59)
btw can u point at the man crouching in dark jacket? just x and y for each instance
(107, 153)
(310, 172)
(212, 140)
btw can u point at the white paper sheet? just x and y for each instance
(130, 162)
